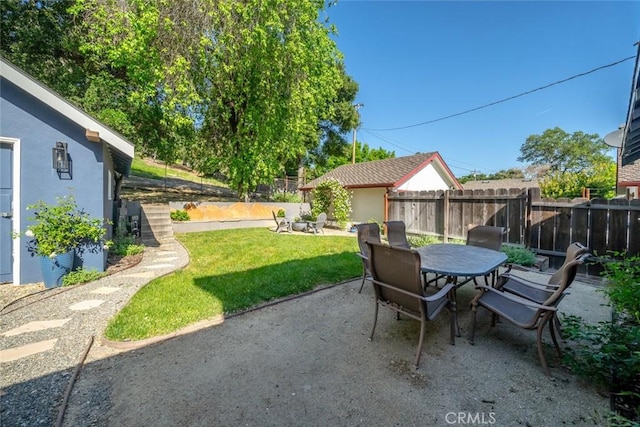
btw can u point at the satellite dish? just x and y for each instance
(614, 139)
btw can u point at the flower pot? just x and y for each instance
(299, 226)
(54, 269)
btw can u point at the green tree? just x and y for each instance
(599, 179)
(267, 71)
(339, 117)
(513, 173)
(574, 161)
(39, 37)
(564, 152)
(139, 82)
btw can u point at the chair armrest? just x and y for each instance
(441, 293)
(431, 298)
(529, 283)
(510, 297)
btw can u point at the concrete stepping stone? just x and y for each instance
(35, 326)
(11, 354)
(166, 253)
(171, 258)
(144, 275)
(105, 290)
(158, 266)
(86, 305)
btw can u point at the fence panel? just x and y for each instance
(634, 227)
(599, 225)
(545, 225)
(580, 225)
(618, 220)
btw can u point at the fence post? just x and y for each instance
(445, 216)
(528, 214)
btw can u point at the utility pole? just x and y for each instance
(353, 148)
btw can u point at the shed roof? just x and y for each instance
(122, 151)
(381, 173)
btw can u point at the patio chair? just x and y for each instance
(486, 236)
(523, 312)
(538, 292)
(369, 232)
(396, 234)
(283, 224)
(398, 286)
(317, 225)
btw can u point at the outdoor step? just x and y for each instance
(155, 222)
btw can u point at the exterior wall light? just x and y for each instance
(61, 162)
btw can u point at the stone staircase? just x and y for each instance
(155, 224)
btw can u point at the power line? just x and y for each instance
(505, 99)
(450, 163)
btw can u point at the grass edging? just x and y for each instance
(217, 320)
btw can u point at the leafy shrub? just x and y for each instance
(63, 226)
(180, 215)
(609, 353)
(519, 255)
(603, 351)
(331, 194)
(423, 240)
(286, 197)
(81, 276)
(623, 285)
(281, 213)
(125, 245)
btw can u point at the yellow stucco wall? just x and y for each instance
(367, 203)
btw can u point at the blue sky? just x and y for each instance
(417, 61)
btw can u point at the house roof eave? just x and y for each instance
(64, 107)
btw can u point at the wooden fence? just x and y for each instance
(545, 225)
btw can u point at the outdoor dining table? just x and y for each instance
(454, 261)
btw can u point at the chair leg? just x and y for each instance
(553, 335)
(540, 352)
(454, 306)
(375, 320)
(454, 322)
(558, 325)
(364, 277)
(422, 329)
(474, 311)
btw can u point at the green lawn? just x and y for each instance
(231, 270)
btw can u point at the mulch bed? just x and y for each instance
(116, 263)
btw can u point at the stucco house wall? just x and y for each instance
(30, 126)
(426, 179)
(366, 204)
(368, 182)
(38, 179)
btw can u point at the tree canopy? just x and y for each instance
(564, 152)
(513, 173)
(570, 162)
(241, 88)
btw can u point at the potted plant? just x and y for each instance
(59, 232)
